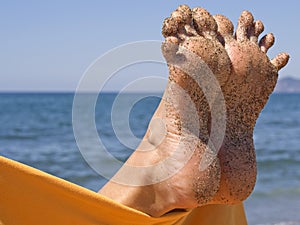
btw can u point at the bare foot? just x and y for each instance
(181, 126)
(251, 82)
(179, 130)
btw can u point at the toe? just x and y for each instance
(204, 23)
(225, 27)
(280, 60)
(258, 28)
(266, 42)
(245, 24)
(179, 19)
(170, 27)
(183, 14)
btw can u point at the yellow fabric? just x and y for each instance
(31, 197)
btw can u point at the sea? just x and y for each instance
(37, 129)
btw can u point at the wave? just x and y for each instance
(283, 223)
(18, 137)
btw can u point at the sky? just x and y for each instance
(49, 45)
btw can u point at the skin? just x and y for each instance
(246, 77)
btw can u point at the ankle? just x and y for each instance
(153, 199)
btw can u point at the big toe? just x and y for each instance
(225, 27)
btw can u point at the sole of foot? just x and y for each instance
(246, 77)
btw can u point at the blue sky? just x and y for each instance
(47, 45)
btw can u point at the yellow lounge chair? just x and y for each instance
(31, 197)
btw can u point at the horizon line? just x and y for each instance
(73, 92)
(103, 92)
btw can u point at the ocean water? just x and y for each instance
(36, 129)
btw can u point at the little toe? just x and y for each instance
(170, 27)
(280, 60)
(225, 28)
(266, 42)
(258, 28)
(204, 23)
(245, 25)
(177, 23)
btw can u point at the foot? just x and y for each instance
(179, 132)
(250, 84)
